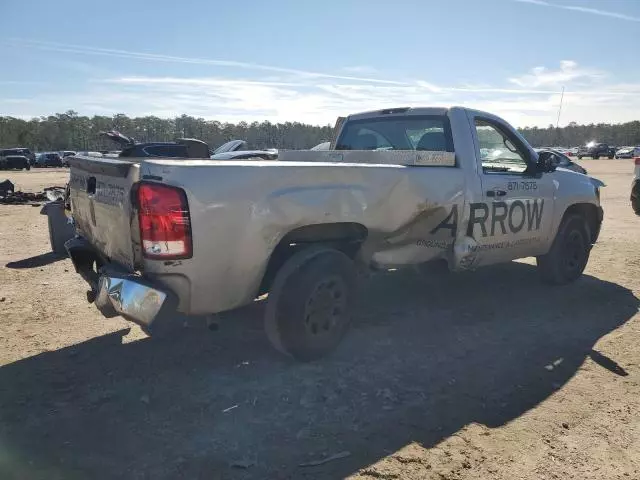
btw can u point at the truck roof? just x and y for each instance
(404, 111)
(400, 111)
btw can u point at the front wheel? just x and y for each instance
(309, 306)
(635, 197)
(569, 253)
(596, 157)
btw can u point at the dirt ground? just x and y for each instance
(488, 374)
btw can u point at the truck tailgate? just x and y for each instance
(101, 205)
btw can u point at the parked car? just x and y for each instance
(181, 148)
(19, 151)
(65, 154)
(563, 161)
(628, 152)
(48, 159)
(89, 154)
(596, 150)
(205, 237)
(13, 159)
(239, 150)
(635, 188)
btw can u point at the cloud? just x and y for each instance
(525, 100)
(593, 11)
(361, 69)
(568, 72)
(153, 57)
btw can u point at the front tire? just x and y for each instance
(635, 197)
(309, 306)
(569, 253)
(596, 157)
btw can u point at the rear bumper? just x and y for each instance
(117, 292)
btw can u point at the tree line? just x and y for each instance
(70, 131)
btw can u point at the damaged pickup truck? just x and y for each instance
(398, 188)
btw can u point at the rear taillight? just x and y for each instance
(163, 214)
(637, 160)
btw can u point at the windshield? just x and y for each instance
(431, 133)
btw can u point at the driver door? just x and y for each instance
(513, 219)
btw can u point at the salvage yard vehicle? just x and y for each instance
(399, 188)
(628, 152)
(596, 150)
(635, 188)
(239, 150)
(181, 148)
(11, 161)
(50, 159)
(19, 151)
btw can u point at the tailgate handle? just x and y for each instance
(91, 185)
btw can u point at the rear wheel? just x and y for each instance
(569, 253)
(310, 301)
(596, 157)
(60, 230)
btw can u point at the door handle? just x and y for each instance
(496, 193)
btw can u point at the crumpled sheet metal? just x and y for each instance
(239, 215)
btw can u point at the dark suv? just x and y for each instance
(182, 148)
(16, 158)
(596, 150)
(48, 159)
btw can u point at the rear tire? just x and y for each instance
(596, 157)
(309, 305)
(569, 253)
(59, 229)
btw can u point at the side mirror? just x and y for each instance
(547, 162)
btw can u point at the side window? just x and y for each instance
(497, 151)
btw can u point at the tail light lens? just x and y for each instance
(637, 160)
(165, 228)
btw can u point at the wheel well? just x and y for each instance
(346, 237)
(590, 213)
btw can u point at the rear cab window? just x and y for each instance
(411, 132)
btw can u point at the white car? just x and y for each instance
(628, 152)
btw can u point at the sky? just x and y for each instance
(298, 60)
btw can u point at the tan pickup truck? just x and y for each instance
(398, 188)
